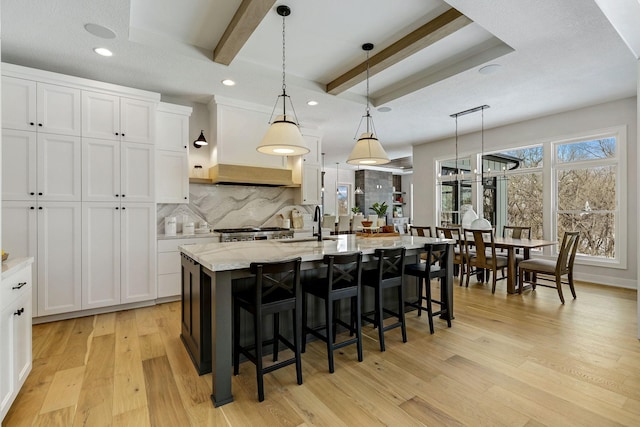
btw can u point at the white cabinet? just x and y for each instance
(15, 333)
(311, 173)
(40, 107)
(172, 161)
(59, 257)
(107, 116)
(114, 171)
(40, 166)
(169, 264)
(118, 260)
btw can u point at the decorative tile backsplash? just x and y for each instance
(232, 206)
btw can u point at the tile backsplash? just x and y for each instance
(233, 206)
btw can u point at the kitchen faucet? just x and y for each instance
(318, 217)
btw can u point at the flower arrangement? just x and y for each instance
(379, 208)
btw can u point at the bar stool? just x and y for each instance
(425, 271)
(343, 279)
(388, 274)
(276, 289)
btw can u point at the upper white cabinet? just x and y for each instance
(40, 107)
(40, 166)
(172, 150)
(107, 116)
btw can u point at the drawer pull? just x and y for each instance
(19, 312)
(21, 284)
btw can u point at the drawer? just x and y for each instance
(169, 262)
(20, 280)
(169, 285)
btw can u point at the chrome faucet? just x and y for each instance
(317, 216)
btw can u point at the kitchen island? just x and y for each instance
(210, 269)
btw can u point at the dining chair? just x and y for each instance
(425, 272)
(389, 273)
(485, 256)
(342, 281)
(459, 260)
(553, 270)
(344, 224)
(329, 223)
(276, 289)
(516, 232)
(356, 223)
(422, 231)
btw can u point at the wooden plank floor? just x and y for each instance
(508, 360)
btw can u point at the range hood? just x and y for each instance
(251, 175)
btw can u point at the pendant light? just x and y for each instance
(283, 138)
(337, 189)
(368, 150)
(200, 141)
(358, 190)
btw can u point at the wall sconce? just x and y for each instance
(200, 141)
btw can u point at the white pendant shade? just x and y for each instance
(481, 224)
(368, 151)
(283, 139)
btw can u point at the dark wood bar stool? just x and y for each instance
(276, 289)
(388, 274)
(343, 280)
(425, 272)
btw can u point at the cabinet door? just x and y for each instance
(59, 167)
(100, 115)
(314, 156)
(18, 104)
(172, 177)
(172, 131)
(100, 170)
(311, 179)
(100, 254)
(137, 120)
(58, 109)
(20, 233)
(7, 374)
(22, 338)
(137, 171)
(138, 252)
(59, 257)
(18, 165)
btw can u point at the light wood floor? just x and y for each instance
(508, 360)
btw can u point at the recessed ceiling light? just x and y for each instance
(312, 103)
(489, 69)
(103, 51)
(228, 82)
(100, 31)
(384, 109)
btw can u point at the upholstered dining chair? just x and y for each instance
(344, 224)
(329, 224)
(356, 223)
(553, 270)
(485, 256)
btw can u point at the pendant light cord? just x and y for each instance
(368, 114)
(284, 84)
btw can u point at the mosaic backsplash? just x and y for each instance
(232, 206)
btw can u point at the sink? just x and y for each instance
(307, 239)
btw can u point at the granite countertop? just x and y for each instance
(238, 255)
(12, 265)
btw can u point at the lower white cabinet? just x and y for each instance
(50, 233)
(15, 333)
(169, 264)
(118, 262)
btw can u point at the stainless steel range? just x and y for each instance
(253, 233)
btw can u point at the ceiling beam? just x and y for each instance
(242, 25)
(431, 32)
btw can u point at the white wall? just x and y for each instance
(550, 128)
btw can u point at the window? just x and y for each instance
(587, 192)
(343, 202)
(454, 193)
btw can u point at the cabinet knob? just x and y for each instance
(31, 207)
(32, 194)
(123, 195)
(116, 133)
(31, 123)
(40, 124)
(117, 208)
(185, 198)
(39, 194)
(123, 134)
(123, 208)
(19, 312)
(19, 285)
(40, 207)
(117, 195)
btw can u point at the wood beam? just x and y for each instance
(244, 23)
(435, 30)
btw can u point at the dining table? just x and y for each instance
(510, 245)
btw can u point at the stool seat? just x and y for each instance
(276, 289)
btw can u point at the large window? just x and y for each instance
(587, 191)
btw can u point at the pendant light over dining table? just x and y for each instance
(368, 150)
(283, 138)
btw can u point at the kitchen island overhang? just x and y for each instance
(213, 267)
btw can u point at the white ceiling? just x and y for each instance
(554, 56)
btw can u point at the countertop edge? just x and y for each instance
(13, 265)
